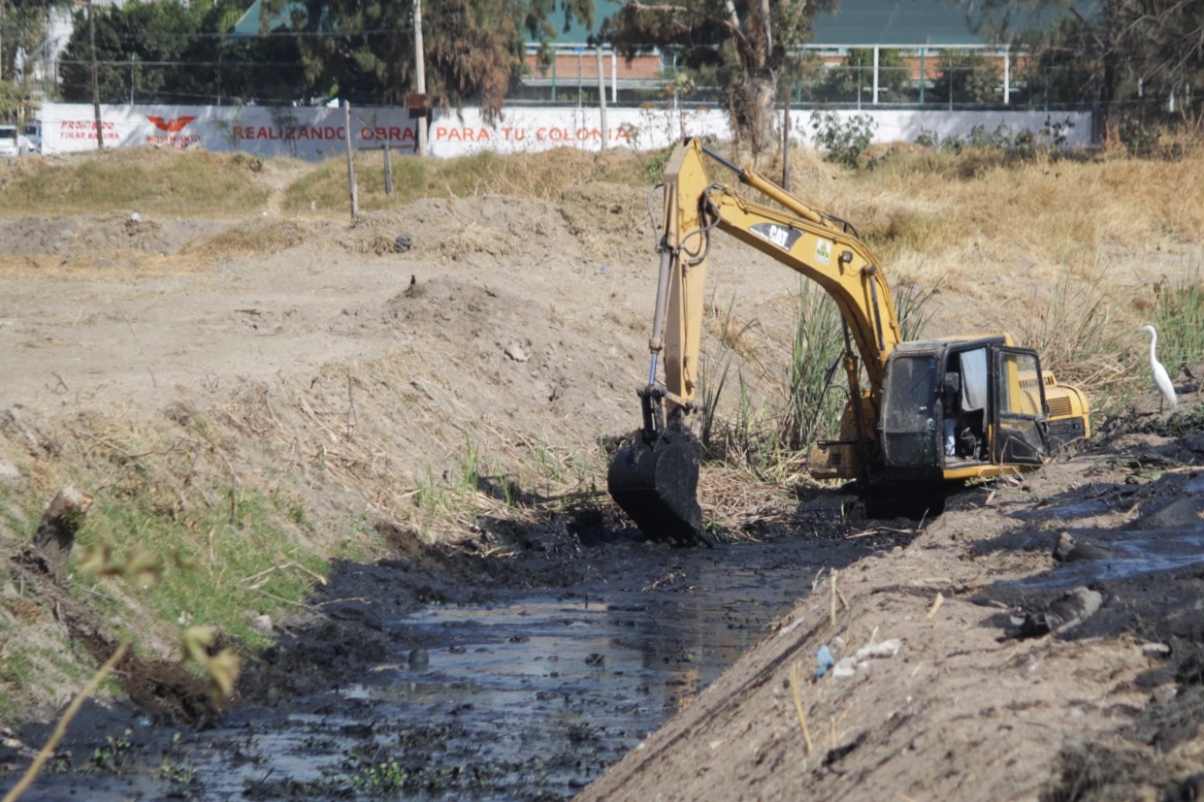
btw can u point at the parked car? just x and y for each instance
(30, 140)
(8, 141)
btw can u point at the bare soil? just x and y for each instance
(522, 327)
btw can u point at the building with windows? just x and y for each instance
(874, 52)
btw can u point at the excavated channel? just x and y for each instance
(506, 692)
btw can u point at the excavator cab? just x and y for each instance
(962, 409)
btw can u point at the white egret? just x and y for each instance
(1161, 377)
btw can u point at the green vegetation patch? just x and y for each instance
(165, 182)
(218, 566)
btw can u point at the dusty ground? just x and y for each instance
(972, 698)
(522, 326)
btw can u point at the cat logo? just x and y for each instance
(781, 236)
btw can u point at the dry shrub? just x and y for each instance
(733, 502)
(394, 437)
(315, 427)
(172, 182)
(474, 238)
(1103, 772)
(1052, 210)
(257, 238)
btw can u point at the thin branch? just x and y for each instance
(141, 350)
(60, 729)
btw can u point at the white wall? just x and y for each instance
(315, 133)
(905, 125)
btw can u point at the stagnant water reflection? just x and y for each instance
(527, 698)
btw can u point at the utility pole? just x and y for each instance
(420, 77)
(352, 185)
(601, 94)
(100, 134)
(786, 141)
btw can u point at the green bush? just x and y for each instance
(844, 140)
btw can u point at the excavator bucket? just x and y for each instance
(657, 486)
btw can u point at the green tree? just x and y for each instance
(136, 47)
(743, 43)
(1174, 37)
(967, 77)
(1061, 73)
(363, 50)
(1113, 50)
(12, 99)
(24, 28)
(153, 52)
(855, 75)
(264, 69)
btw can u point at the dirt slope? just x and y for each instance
(517, 330)
(951, 698)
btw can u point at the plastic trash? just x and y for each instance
(887, 648)
(847, 667)
(823, 661)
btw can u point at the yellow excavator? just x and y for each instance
(934, 412)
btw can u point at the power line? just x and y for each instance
(140, 63)
(236, 37)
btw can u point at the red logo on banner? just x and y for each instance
(171, 126)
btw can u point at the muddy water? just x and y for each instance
(1168, 540)
(526, 695)
(1146, 571)
(1136, 554)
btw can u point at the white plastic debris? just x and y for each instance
(845, 667)
(887, 648)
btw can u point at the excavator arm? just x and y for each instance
(821, 247)
(655, 479)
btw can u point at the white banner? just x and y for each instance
(317, 133)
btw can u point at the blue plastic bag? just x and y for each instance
(823, 661)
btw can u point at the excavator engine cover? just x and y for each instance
(656, 484)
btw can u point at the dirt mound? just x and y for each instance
(258, 238)
(611, 221)
(107, 235)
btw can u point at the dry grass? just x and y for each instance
(130, 266)
(165, 182)
(369, 428)
(1054, 212)
(538, 176)
(1066, 253)
(256, 237)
